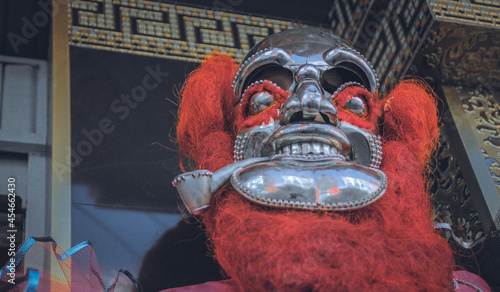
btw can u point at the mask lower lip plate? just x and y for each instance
(334, 186)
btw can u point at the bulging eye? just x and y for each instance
(260, 101)
(353, 98)
(262, 95)
(355, 105)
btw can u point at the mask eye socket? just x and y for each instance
(355, 105)
(332, 79)
(260, 101)
(272, 72)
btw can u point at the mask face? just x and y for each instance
(306, 101)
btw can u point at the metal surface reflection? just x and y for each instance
(334, 185)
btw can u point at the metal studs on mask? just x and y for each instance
(376, 151)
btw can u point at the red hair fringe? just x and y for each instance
(205, 131)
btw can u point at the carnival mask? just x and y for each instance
(306, 115)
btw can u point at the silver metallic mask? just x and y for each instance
(303, 156)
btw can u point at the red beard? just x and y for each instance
(387, 246)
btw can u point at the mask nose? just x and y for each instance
(308, 101)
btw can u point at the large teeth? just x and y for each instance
(316, 148)
(308, 148)
(326, 149)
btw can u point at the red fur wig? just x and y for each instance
(388, 246)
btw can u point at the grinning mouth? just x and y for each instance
(311, 140)
(308, 152)
(308, 148)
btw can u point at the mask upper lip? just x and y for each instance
(307, 133)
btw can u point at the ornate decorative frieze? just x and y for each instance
(451, 42)
(451, 199)
(166, 30)
(475, 12)
(460, 55)
(483, 110)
